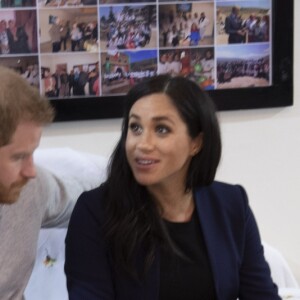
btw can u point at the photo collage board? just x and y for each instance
(91, 48)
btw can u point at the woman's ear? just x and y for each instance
(197, 144)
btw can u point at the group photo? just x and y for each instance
(65, 3)
(120, 71)
(68, 76)
(68, 30)
(26, 66)
(123, 1)
(194, 64)
(17, 3)
(243, 66)
(186, 24)
(243, 22)
(128, 27)
(18, 32)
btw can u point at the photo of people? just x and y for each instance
(186, 24)
(26, 66)
(17, 3)
(68, 30)
(66, 76)
(242, 66)
(18, 32)
(123, 1)
(128, 27)
(184, 1)
(121, 70)
(243, 22)
(65, 3)
(196, 64)
(116, 43)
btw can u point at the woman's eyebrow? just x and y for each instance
(163, 118)
(156, 118)
(134, 116)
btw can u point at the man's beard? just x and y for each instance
(9, 195)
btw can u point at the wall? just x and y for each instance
(261, 151)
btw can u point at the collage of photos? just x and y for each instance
(94, 48)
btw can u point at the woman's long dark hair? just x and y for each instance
(133, 220)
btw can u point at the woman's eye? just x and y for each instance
(135, 128)
(161, 129)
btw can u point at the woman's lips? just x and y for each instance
(146, 162)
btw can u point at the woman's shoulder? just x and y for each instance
(219, 186)
(224, 193)
(91, 203)
(97, 192)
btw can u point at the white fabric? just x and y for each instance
(78, 171)
(280, 270)
(48, 281)
(289, 293)
(67, 163)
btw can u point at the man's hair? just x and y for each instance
(235, 9)
(20, 102)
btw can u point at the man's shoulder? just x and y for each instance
(37, 189)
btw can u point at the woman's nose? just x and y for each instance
(146, 141)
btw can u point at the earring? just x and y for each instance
(195, 152)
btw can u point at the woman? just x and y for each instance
(194, 35)
(160, 227)
(49, 84)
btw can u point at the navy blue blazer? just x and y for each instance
(230, 232)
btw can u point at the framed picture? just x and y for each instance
(85, 55)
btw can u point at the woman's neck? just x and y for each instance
(174, 206)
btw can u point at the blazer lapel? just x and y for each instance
(221, 251)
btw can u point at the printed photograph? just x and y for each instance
(240, 22)
(243, 66)
(73, 75)
(17, 3)
(186, 24)
(68, 30)
(26, 66)
(124, 1)
(121, 70)
(197, 64)
(127, 27)
(65, 3)
(161, 1)
(18, 32)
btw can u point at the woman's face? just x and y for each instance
(158, 146)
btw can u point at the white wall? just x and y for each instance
(261, 151)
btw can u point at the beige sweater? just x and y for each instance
(46, 201)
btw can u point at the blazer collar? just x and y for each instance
(213, 234)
